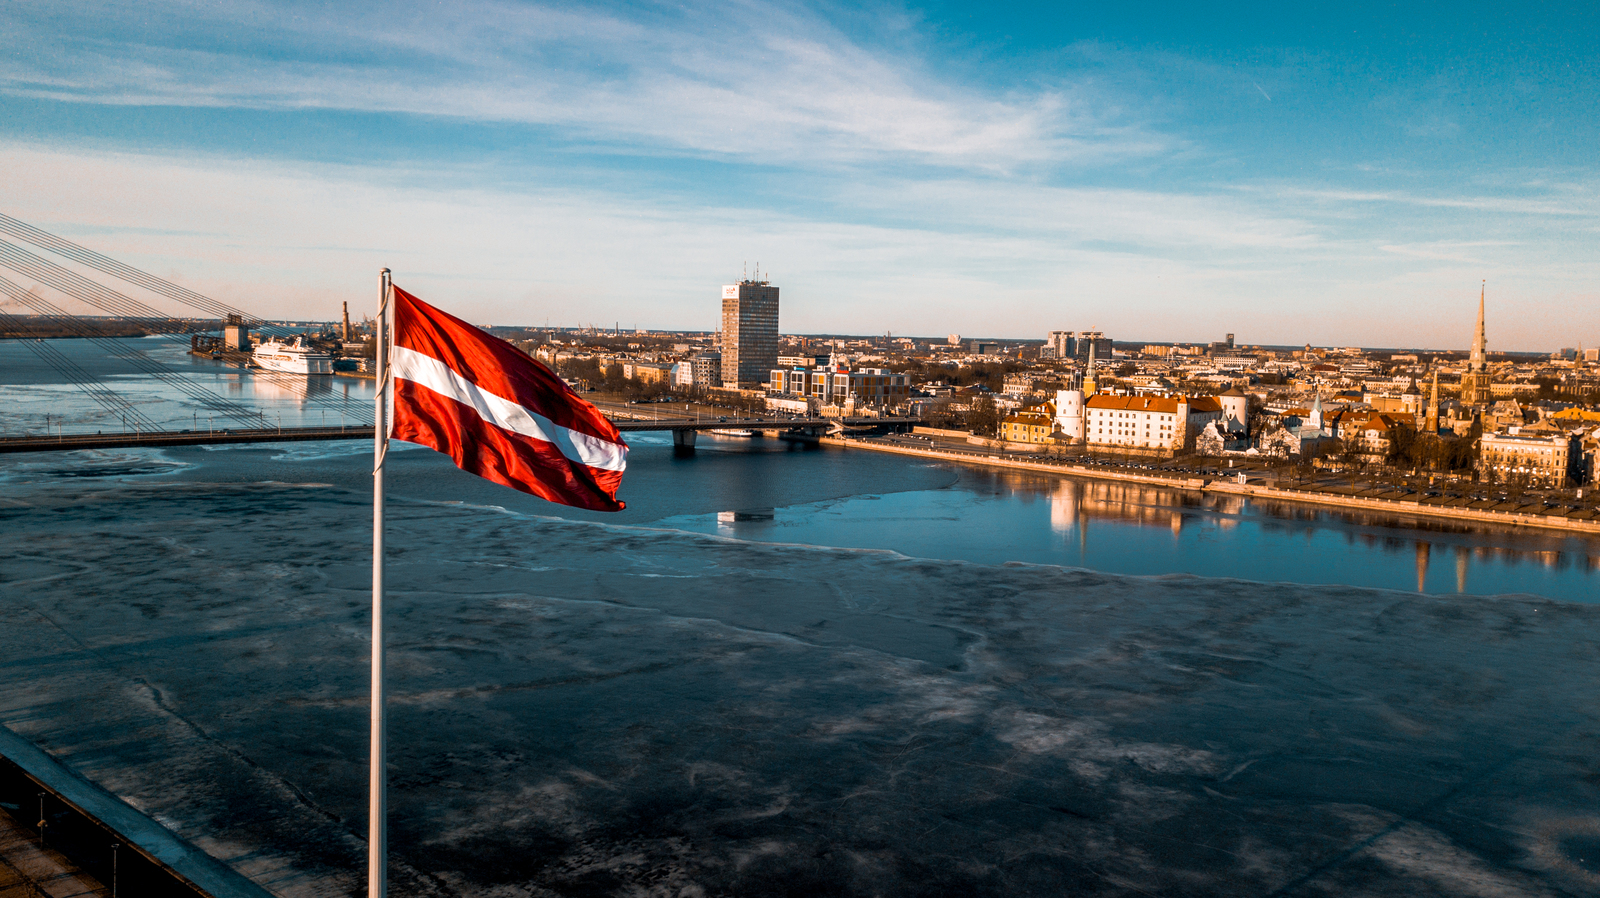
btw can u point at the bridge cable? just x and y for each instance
(107, 398)
(206, 398)
(64, 247)
(117, 303)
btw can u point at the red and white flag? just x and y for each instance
(498, 413)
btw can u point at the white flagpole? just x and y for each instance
(377, 822)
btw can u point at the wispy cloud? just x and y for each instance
(297, 240)
(756, 82)
(1563, 201)
(891, 182)
(1154, 222)
(1448, 250)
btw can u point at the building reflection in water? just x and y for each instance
(1064, 506)
(728, 521)
(1073, 504)
(1424, 549)
(291, 389)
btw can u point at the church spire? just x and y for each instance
(1431, 422)
(1480, 343)
(1475, 389)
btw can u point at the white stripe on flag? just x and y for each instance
(427, 371)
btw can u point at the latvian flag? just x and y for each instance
(498, 413)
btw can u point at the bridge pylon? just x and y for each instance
(683, 441)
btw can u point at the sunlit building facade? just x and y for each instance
(749, 332)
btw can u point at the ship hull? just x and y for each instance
(285, 360)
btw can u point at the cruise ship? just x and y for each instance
(291, 358)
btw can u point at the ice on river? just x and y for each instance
(582, 708)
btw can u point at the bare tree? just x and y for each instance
(984, 418)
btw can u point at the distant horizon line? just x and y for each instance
(1274, 347)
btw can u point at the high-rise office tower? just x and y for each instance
(749, 332)
(1061, 345)
(1093, 343)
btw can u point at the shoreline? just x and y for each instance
(1222, 487)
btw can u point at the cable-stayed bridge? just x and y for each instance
(154, 391)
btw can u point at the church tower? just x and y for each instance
(1069, 414)
(1431, 422)
(1480, 343)
(1475, 383)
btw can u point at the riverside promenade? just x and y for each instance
(1391, 501)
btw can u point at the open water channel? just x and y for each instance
(793, 671)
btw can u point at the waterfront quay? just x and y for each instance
(1477, 505)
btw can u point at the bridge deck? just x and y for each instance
(72, 441)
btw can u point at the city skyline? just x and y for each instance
(1338, 178)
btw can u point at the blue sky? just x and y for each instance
(1326, 173)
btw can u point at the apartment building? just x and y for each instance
(1148, 423)
(1535, 459)
(1033, 425)
(838, 384)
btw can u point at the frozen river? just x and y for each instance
(804, 672)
